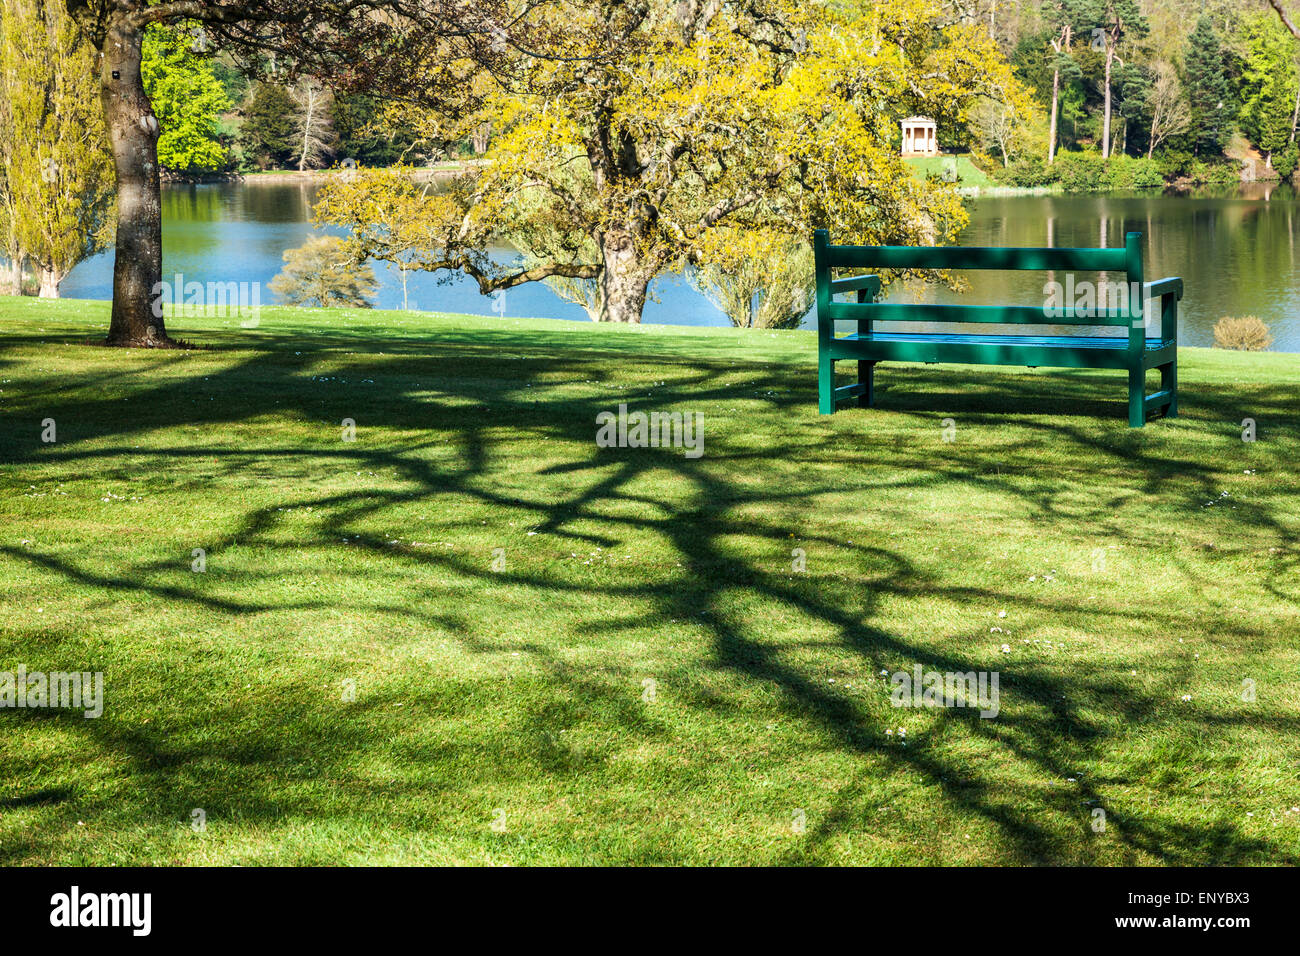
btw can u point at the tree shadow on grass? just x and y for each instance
(459, 393)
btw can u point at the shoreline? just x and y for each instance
(285, 177)
(1259, 190)
(1256, 189)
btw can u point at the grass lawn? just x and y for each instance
(504, 716)
(968, 174)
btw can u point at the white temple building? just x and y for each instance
(919, 137)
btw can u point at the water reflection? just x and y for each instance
(1236, 247)
(1236, 250)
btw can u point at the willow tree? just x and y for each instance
(758, 279)
(657, 123)
(341, 37)
(10, 248)
(58, 178)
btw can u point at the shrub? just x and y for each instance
(985, 163)
(1028, 172)
(1147, 174)
(1085, 172)
(1080, 172)
(1175, 163)
(1245, 334)
(1128, 172)
(1216, 174)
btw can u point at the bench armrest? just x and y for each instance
(868, 284)
(1163, 287)
(1169, 292)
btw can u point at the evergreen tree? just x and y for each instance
(233, 80)
(364, 134)
(269, 133)
(1133, 83)
(1209, 91)
(1113, 23)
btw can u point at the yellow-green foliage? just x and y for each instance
(58, 176)
(1245, 334)
(758, 278)
(628, 159)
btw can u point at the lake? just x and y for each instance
(1236, 249)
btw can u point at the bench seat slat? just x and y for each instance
(1027, 350)
(997, 314)
(975, 257)
(962, 338)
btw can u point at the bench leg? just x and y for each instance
(1169, 383)
(825, 384)
(867, 379)
(1137, 397)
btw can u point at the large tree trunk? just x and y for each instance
(133, 136)
(1105, 129)
(624, 281)
(49, 279)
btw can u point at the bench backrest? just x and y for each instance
(1124, 310)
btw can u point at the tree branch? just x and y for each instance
(487, 283)
(471, 265)
(1286, 21)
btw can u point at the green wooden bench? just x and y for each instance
(1135, 353)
